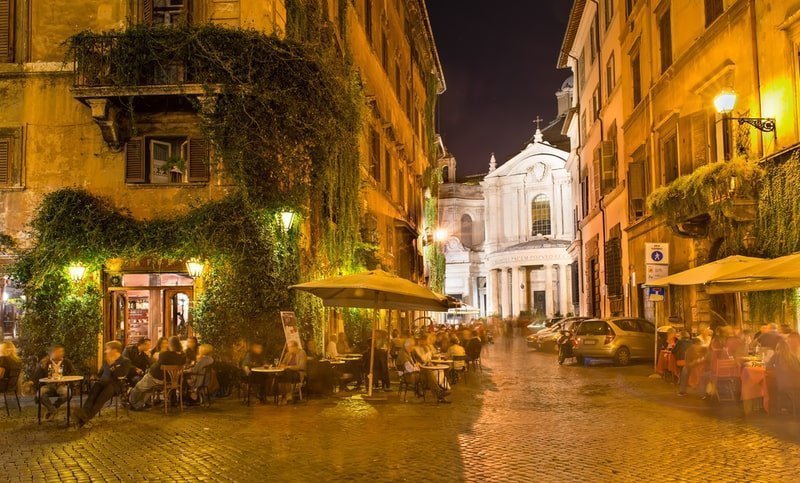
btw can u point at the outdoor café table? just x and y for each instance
(272, 373)
(439, 368)
(68, 380)
(754, 386)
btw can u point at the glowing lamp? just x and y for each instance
(439, 235)
(195, 267)
(287, 219)
(725, 101)
(76, 272)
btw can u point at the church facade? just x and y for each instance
(508, 231)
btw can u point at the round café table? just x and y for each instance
(68, 380)
(272, 373)
(440, 374)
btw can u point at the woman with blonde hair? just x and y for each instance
(9, 360)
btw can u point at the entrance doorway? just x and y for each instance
(149, 305)
(539, 303)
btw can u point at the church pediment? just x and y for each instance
(537, 161)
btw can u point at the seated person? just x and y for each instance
(255, 358)
(422, 352)
(410, 371)
(474, 346)
(670, 341)
(342, 346)
(52, 364)
(9, 360)
(454, 350)
(154, 378)
(332, 351)
(162, 344)
(108, 385)
(311, 349)
(294, 361)
(140, 360)
(195, 375)
(191, 350)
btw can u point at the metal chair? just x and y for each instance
(173, 381)
(9, 383)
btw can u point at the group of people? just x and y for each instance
(294, 364)
(781, 350)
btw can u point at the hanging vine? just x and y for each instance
(285, 120)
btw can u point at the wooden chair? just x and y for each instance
(202, 389)
(726, 378)
(173, 381)
(8, 384)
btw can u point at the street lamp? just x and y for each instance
(76, 272)
(287, 219)
(439, 235)
(725, 102)
(195, 267)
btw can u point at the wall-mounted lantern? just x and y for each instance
(76, 272)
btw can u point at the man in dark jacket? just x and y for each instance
(140, 361)
(155, 376)
(474, 347)
(114, 368)
(53, 365)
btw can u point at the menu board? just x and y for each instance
(138, 318)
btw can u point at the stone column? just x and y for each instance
(563, 289)
(516, 298)
(491, 292)
(505, 296)
(525, 291)
(548, 288)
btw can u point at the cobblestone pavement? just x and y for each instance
(525, 419)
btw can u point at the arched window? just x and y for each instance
(466, 231)
(540, 216)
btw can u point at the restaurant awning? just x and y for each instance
(708, 272)
(776, 274)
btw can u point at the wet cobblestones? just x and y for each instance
(526, 419)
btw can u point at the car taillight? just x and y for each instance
(609, 337)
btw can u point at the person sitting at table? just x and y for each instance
(474, 346)
(162, 344)
(409, 369)
(191, 349)
(294, 362)
(140, 361)
(115, 367)
(694, 358)
(53, 363)
(456, 350)
(705, 335)
(9, 360)
(332, 351)
(342, 346)
(670, 340)
(195, 375)
(422, 352)
(154, 378)
(769, 337)
(255, 358)
(311, 350)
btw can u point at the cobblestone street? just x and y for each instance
(527, 420)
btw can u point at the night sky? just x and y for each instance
(499, 60)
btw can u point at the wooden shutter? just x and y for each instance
(700, 139)
(198, 160)
(598, 182)
(147, 12)
(637, 189)
(5, 161)
(6, 30)
(685, 149)
(608, 165)
(135, 165)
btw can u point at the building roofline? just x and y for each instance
(572, 31)
(434, 51)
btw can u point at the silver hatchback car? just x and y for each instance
(622, 339)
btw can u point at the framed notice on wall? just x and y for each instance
(290, 327)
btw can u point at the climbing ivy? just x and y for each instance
(285, 119)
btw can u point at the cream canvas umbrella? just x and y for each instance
(776, 274)
(708, 272)
(375, 289)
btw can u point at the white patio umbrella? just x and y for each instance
(775, 274)
(375, 289)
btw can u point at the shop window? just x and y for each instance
(10, 158)
(6, 30)
(540, 216)
(665, 38)
(166, 160)
(714, 9)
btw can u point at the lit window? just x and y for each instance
(540, 215)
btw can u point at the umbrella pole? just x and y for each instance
(372, 352)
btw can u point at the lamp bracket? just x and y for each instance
(763, 124)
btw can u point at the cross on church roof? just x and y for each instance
(538, 122)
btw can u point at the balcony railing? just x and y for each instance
(126, 60)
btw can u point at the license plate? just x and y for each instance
(589, 342)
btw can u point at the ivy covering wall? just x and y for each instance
(285, 120)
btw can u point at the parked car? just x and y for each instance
(539, 325)
(622, 339)
(545, 340)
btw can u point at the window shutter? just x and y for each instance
(700, 139)
(686, 150)
(198, 160)
(6, 30)
(597, 175)
(609, 165)
(135, 166)
(147, 12)
(636, 189)
(5, 161)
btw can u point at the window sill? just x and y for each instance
(12, 188)
(166, 185)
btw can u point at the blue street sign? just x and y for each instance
(657, 255)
